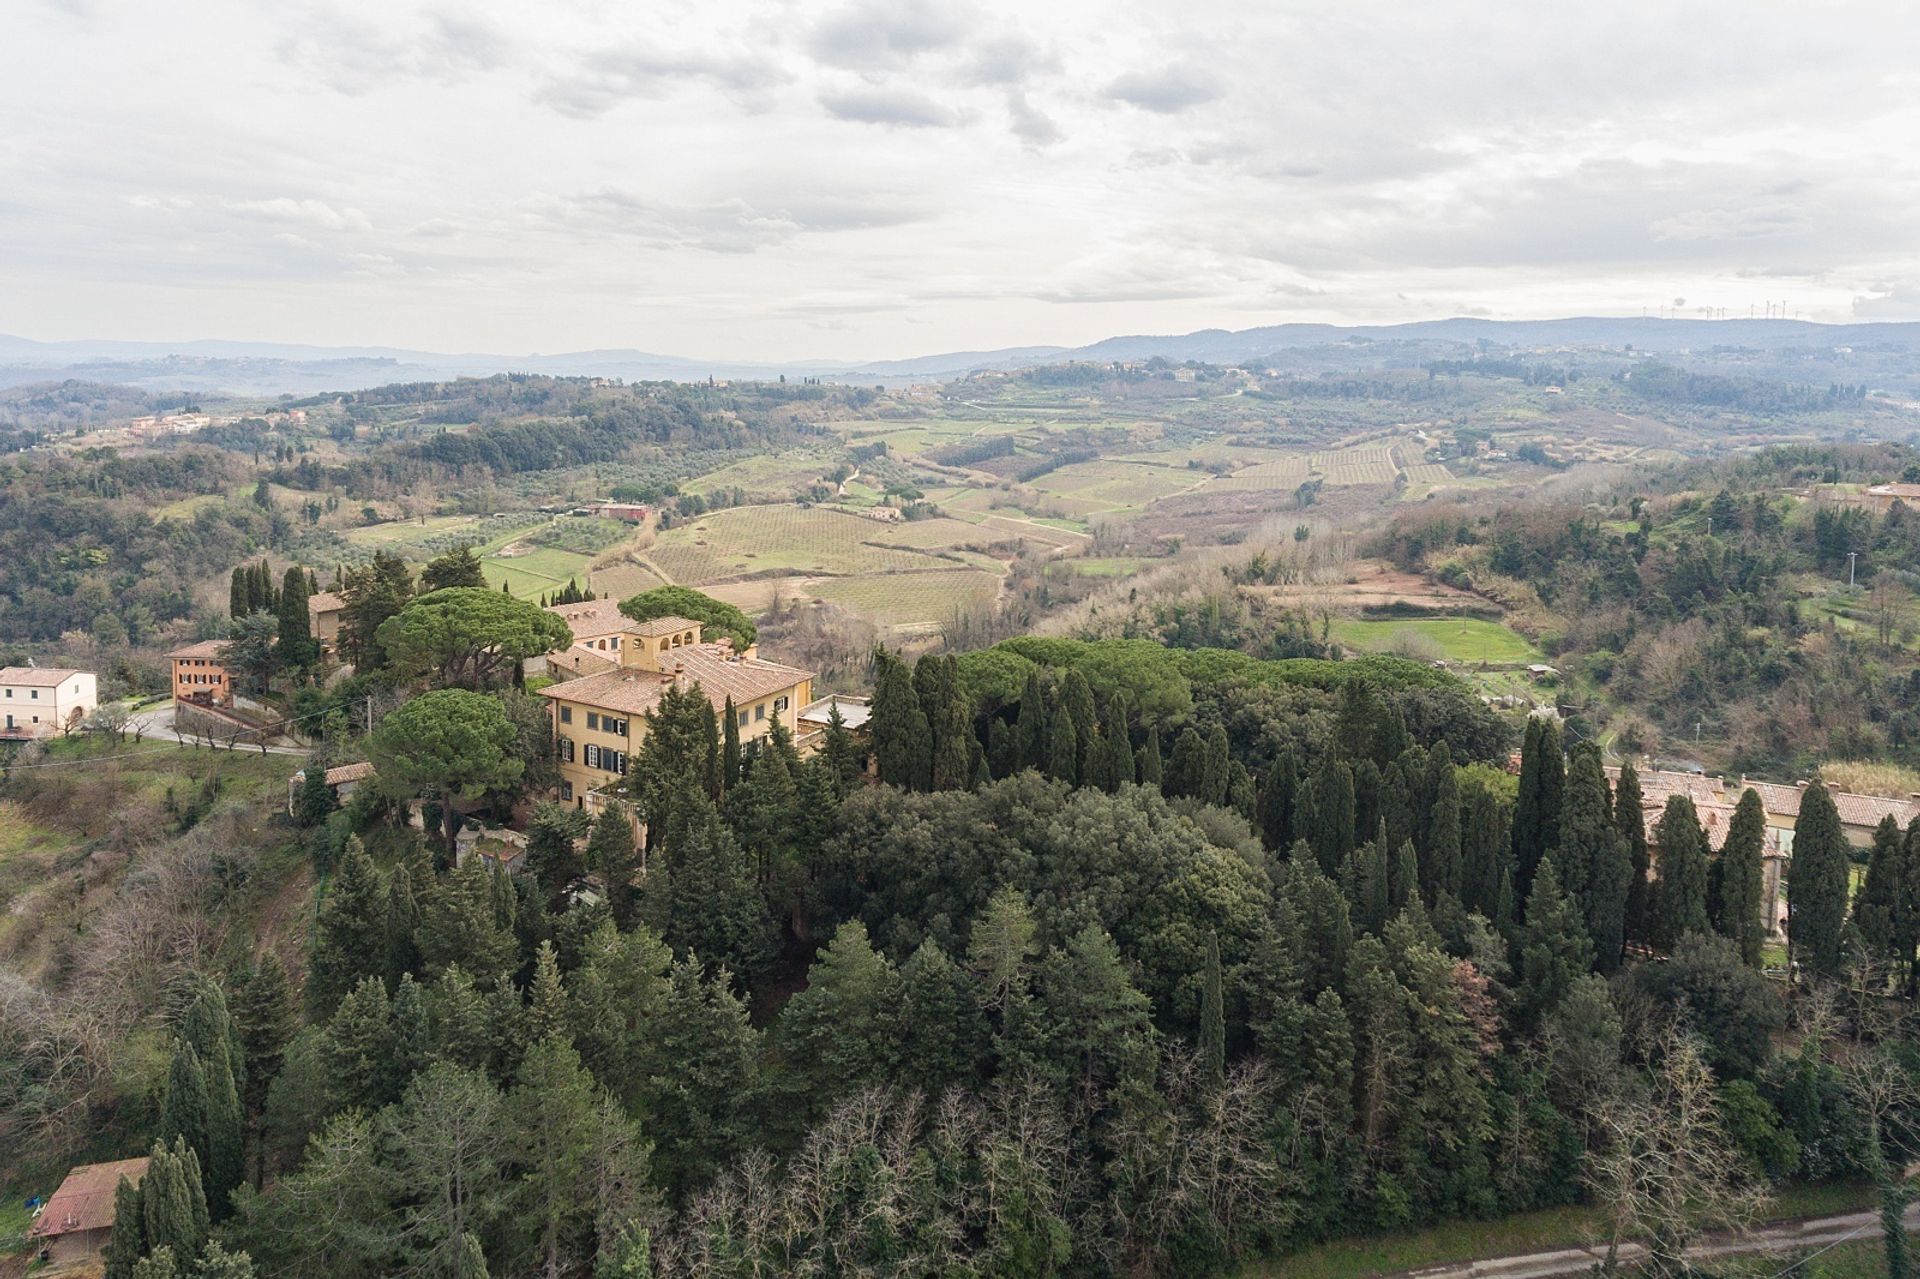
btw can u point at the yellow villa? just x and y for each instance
(599, 719)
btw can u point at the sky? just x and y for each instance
(885, 178)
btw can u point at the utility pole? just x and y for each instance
(1850, 556)
(369, 714)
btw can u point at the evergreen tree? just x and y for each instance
(1032, 731)
(458, 567)
(730, 745)
(1151, 769)
(1442, 863)
(1213, 1016)
(950, 718)
(612, 854)
(173, 1205)
(185, 1108)
(1740, 877)
(709, 903)
(1629, 818)
(208, 1031)
(1076, 703)
(941, 1027)
(1332, 831)
(1536, 814)
(239, 593)
(296, 645)
(1817, 900)
(461, 923)
(129, 1238)
(838, 1034)
(1680, 894)
(1555, 946)
(1590, 839)
(902, 738)
(1486, 850)
(349, 933)
(1276, 801)
(314, 802)
(554, 857)
(1063, 758)
(840, 755)
(1218, 775)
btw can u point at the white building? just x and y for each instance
(39, 702)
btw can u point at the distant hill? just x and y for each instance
(271, 368)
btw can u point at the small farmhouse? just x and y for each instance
(41, 701)
(78, 1221)
(199, 676)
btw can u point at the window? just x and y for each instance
(743, 719)
(565, 749)
(614, 761)
(591, 756)
(566, 790)
(34, 694)
(779, 704)
(566, 714)
(593, 720)
(759, 712)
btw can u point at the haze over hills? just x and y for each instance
(267, 368)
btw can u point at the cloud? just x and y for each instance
(606, 79)
(898, 108)
(355, 56)
(1006, 60)
(732, 225)
(875, 35)
(1167, 90)
(1030, 124)
(317, 213)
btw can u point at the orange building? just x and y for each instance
(199, 676)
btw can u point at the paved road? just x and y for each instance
(156, 724)
(1780, 1237)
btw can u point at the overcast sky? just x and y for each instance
(889, 177)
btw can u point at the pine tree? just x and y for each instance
(1817, 900)
(1536, 814)
(1555, 948)
(349, 934)
(838, 1034)
(612, 854)
(1680, 894)
(941, 1026)
(1740, 877)
(546, 998)
(1213, 1016)
(1629, 818)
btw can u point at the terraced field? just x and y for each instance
(785, 473)
(1368, 464)
(1283, 474)
(1114, 486)
(909, 600)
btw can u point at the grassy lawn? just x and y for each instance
(1107, 565)
(1458, 639)
(750, 540)
(1542, 1231)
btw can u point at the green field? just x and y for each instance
(909, 599)
(749, 540)
(1107, 565)
(1458, 639)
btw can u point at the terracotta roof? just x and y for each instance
(85, 1199)
(636, 691)
(325, 602)
(746, 679)
(582, 660)
(36, 676)
(205, 648)
(628, 689)
(591, 619)
(662, 626)
(344, 773)
(1778, 798)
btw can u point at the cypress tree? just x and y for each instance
(1332, 834)
(296, 642)
(173, 1206)
(1486, 849)
(730, 745)
(1817, 902)
(237, 594)
(902, 738)
(1908, 940)
(952, 724)
(1403, 877)
(185, 1110)
(1536, 813)
(1076, 702)
(942, 1027)
(1276, 801)
(1369, 885)
(314, 802)
(1152, 770)
(209, 1030)
(611, 853)
(1213, 1015)
(1629, 818)
(1590, 844)
(1740, 877)
(129, 1238)
(1442, 869)
(1063, 758)
(1032, 732)
(1680, 894)
(1218, 775)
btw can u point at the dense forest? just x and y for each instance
(1125, 959)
